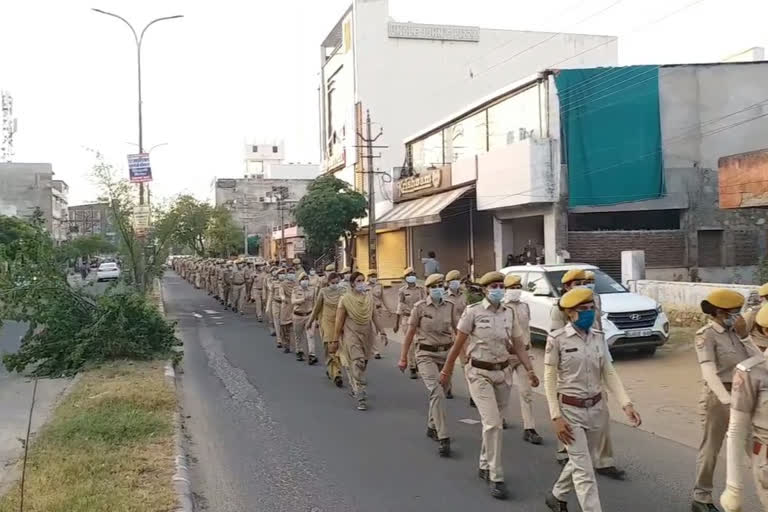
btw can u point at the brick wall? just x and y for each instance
(746, 247)
(662, 248)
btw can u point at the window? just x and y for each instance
(537, 284)
(255, 149)
(710, 247)
(466, 138)
(274, 149)
(427, 153)
(514, 119)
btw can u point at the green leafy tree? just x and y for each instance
(224, 237)
(193, 217)
(329, 212)
(92, 245)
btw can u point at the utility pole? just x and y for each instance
(369, 140)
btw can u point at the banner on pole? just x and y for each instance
(139, 169)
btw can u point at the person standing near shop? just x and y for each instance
(576, 366)
(493, 334)
(303, 300)
(720, 345)
(431, 265)
(431, 324)
(522, 313)
(354, 321)
(324, 316)
(758, 338)
(407, 296)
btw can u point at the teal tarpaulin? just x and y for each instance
(611, 134)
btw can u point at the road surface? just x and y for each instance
(267, 433)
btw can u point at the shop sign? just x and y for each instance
(397, 30)
(334, 162)
(426, 183)
(141, 219)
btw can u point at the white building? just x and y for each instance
(408, 75)
(267, 160)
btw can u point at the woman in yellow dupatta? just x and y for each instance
(324, 314)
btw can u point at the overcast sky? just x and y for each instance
(232, 70)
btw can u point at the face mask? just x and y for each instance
(312, 273)
(290, 277)
(436, 294)
(495, 295)
(454, 285)
(360, 287)
(374, 280)
(512, 295)
(410, 279)
(333, 286)
(304, 283)
(280, 277)
(730, 319)
(585, 320)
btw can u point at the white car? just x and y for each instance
(108, 271)
(630, 321)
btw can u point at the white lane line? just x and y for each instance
(197, 315)
(469, 421)
(211, 312)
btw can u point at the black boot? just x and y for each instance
(449, 395)
(498, 490)
(531, 436)
(483, 474)
(504, 424)
(432, 433)
(612, 472)
(445, 447)
(554, 504)
(311, 360)
(698, 506)
(338, 381)
(299, 356)
(286, 349)
(414, 374)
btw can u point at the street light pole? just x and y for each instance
(138, 39)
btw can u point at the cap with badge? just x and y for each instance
(433, 279)
(575, 274)
(330, 267)
(453, 275)
(722, 299)
(511, 280)
(490, 278)
(408, 270)
(576, 297)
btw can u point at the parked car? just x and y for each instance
(108, 271)
(630, 321)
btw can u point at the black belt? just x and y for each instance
(435, 348)
(492, 367)
(296, 313)
(277, 301)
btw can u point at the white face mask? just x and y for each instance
(361, 287)
(304, 283)
(512, 295)
(410, 279)
(373, 280)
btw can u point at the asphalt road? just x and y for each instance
(267, 433)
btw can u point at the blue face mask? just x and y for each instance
(290, 277)
(585, 320)
(410, 279)
(436, 294)
(454, 285)
(495, 295)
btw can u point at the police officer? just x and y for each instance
(431, 323)
(324, 314)
(576, 364)
(758, 338)
(269, 291)
(749, 414)
(513, 289)
(379, 309)
(227, 284)
(303, 301)
(455, 293)
(493, 334)
(276, 306)
(407, 296)
(237, 291)
(720, 345)
(286, 310)
(257, 291)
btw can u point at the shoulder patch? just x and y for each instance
(557, 332)
(472, 306)
(750, 363)
(703, 329)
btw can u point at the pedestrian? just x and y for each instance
(269, 291)
(257, 291)
(277, 302)
(331, 267)
(303, 300)
(720, 345)
(755, 332)
(512, 295)
(748, 415)
(354, 321)
(228, 270)
(431, 324)
(576, 364)
(407, 296)
(314, 280)
(455, 293)
(324, 317)
(286, 310)
(237, 291)
(249, 274)
(431, 265)
(493, 334)
(379, 309)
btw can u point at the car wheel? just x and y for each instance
(648, 351)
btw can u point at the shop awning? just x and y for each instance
(418, 212)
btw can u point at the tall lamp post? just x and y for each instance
(139, 38)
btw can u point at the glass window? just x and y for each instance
(537, 284)
(466, 138)
(604, 283)
(514, 119)
(427, 153)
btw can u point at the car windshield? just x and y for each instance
(108, 266)
(603, 282)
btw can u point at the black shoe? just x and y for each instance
(299, 356)
(362, 405)
(498, 490)
(504, 424)
(377, 356)
(554, 504)
(312, 360)
(414, 375)
(449, 395)
(698, 506)
(445, 448)
(287, 350)
(432, 433)
(338, 381)
(273, 334)
(562, 462)
(531, 436)
(279, 345)
(483, 474)
(612, 472)
(472, 404)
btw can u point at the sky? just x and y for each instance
(235, 70)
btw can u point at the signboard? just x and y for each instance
(141, 219)
(743, 180)
(139, 169)
(429, 181)
(398, 30)
(299, 245)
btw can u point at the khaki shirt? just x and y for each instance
(489, 330)
(757, 337)
(303, 300)
(523, 317)
(258, 280)
(724, 348)
(314, 281)
(579, 359)
(433, 322)
(407, 297)
(750, 394)
(459, 304)
(285, 291)
(238, 277)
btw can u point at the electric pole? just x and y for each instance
(369, 140)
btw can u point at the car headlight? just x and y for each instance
(659, 309)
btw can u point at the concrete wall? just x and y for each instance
(24, 187)
(289, 171)
(747, 275)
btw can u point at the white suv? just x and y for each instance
(630, 321)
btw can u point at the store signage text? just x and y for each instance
(425, 181)
(434, 32)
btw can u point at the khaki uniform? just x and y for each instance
(249, 273)
(522, 313)
(324, 312)
(379, 310)
(489, 330)
(303, 301)
(724, 348)
(257, 291)
(434, 338)
(269, 288)
(237, 291)
(757, 337)
(750, 395)
(286, 314)
(354, 351)
(580, 360)
(407, 297)
(220, 272)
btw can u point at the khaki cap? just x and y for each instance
(491, 277)
(330, 267)
(575, 274)
(762, 316)
(433, 279)
(453, 275)
(589, 275)
(301, 275)
(724, 299)
(575, 297)
(511, 280)
(763, 290)
(408, 270)
(345, 270)
(296, 261)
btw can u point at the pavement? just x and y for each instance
(266, 433)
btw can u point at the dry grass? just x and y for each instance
(108, 447)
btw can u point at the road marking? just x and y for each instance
(211, 312)
(197, 315)
(219, 323)
(469, 421)
(217, 317)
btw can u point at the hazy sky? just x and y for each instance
(236, 69)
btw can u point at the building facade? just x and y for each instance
(267, 160)
(91, 219)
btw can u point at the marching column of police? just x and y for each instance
(485, 326)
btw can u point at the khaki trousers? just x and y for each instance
(356, 351)
(579, 473)
(430, 364)
(237, 297)
(412, 349)
(300, 333)
(287, 335)
(760, 472)
(490, 391)
(256, 294)
(276, 321)
(525, 393)
(332, 362)
(714, 418)
(602, 457)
